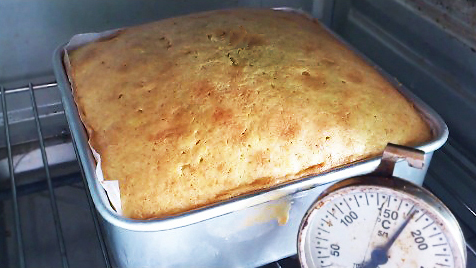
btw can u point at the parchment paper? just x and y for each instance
(110, 186)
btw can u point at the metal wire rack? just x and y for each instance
(13, 190)
(33, 187)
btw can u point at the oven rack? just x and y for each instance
(49, 183)
(14, 190)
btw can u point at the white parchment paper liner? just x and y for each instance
(110, 186)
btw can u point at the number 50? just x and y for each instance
(335, 250)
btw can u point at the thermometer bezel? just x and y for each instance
(437, 210)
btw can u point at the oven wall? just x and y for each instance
(430, 47)
(31, 29)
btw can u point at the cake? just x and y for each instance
(189, 111)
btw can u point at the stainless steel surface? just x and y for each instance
(422, 45)
(139, 242)
(432, 62)
(97, 226)
(427, 45)
(457, 16)
(54, 206)
(438, 127)
(18, 231)
(393, 153)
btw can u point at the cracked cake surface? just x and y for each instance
(192, 110)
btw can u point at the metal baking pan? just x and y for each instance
(246, 231)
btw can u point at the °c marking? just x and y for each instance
(383, 224)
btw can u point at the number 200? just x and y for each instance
(420, 240)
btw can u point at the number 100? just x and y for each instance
(348, 219)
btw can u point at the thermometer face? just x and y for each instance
(366, 225)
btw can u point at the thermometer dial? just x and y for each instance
(369, 222)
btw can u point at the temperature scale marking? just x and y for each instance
(428, 225)
(347, 204)
(356, 201)
(331, 214)
(398, 209)
(408, 213)
(322, 229)
(435, 234)
(420, 217)
(329, 223)
(338, 208)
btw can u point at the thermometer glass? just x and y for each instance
(380, 222)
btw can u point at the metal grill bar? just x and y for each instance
(97, 227)
(34, 87)
(39, 186)
(49, 184)
(54, 206)
(16, 212)
(471, 249)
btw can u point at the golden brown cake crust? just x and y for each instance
(192, 110)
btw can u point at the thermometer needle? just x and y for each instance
(379, 254)
(375, 224)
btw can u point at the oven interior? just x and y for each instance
(46, 216)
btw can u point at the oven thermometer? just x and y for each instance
(381, 221)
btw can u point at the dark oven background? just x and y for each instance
(46, 220)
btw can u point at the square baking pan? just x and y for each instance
(246, 231)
